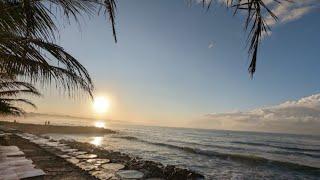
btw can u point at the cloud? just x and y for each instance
(296, 14)
(288, 11)
(300, 116)
(211, 45)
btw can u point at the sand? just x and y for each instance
(43, 129)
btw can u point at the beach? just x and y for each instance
(56, 165)
(159, 90)
(45, 129)
(179, 153)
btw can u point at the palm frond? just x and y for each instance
(8, 109)
(10, 88)
(28, 30)
(15, 85)
(38, 19)
(14, 88)
(16, 92)
(25, 101)
(77, 8)
(256, 13)
(111, 6)
(42, 61)
(27, 18)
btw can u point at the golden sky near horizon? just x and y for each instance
(109, 107)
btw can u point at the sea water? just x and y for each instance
(214, 153)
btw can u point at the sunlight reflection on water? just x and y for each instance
(97, 141)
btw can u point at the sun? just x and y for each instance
(101, 104)
(100, 124)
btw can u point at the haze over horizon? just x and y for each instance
(160, 74)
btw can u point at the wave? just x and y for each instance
(191, 143)
(275, 146)
(248, 159)
(277, 152)
(296, 153)
(128, 137)
(230, 147)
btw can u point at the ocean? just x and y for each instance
(216, 154)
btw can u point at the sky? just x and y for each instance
(176, 64)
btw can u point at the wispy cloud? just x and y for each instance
(296, 14)
(211, 45)
(300, 116)
(288, 11)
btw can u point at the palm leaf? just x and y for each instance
(38, 20)
(16, 92)
(10, 88)
(27, 40)
(25, 101)
(43, 61)
(256, 13)
(8, 109)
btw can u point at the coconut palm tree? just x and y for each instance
(28, 30)
(10, 89)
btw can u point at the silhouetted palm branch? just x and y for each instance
(9, 89)
(77, 8)
(27, 34)
(36, 18)
(36, 60)
(8, 109)
(256, 13)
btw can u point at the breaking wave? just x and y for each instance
(249, 159)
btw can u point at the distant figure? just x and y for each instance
(14, 121)
(48, 122)
(45, 123)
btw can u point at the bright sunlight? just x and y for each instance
(100, 124)
(101, 104)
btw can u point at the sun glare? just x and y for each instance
(96, 141)
(101, 104)
(100, 124)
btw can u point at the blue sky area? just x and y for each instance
(174, 61)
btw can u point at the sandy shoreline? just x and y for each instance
(54, 166)
(150, 169)
(46, 129)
